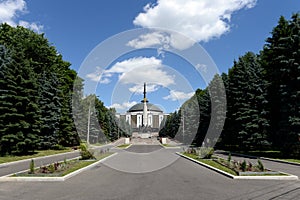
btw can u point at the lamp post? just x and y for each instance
(88, 128)
(183, 127)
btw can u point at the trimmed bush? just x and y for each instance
(85, 153)
(31, 167)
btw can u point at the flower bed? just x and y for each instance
(236, 168)
(60, 169)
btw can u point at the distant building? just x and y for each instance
(144, 116)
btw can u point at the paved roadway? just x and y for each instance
(10, 168)
(181, 179)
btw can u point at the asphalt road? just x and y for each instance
(10, 168)
(182, 179)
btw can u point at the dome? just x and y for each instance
(140, 107)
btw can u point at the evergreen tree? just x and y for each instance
(281, 62)
(218, 100)
(247, 97)
(189, 115)
(49, 99)
(19, 112)
(204, 103)
(47, 114)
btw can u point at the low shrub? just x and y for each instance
(243, 166)
(260, 166)
(85, 153)
(58, 147)
(31, 167)
(205, 152)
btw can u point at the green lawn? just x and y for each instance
(226, 169)
(168, 145)
(291, 160)
(72, 166)
(211, 163)
(123, 146)
(270, 154)
(36, 154)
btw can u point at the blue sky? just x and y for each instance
(85, 33)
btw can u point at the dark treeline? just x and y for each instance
(263, 98)
(36, 90)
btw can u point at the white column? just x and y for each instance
(145, 114)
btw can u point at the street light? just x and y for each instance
(183, 127)
(88, 128)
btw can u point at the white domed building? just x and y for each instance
(144, 116)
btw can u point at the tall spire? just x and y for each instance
(145, 109)
(145, 92)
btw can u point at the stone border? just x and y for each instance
(288, 177)
(7, 178)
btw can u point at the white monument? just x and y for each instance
(145, 110)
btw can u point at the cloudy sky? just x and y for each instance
(176, 46)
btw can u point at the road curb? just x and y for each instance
(51, 179)
(288, 177)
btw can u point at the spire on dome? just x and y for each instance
(145, 92)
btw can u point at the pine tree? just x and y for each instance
(247, 100)
(204, 103)
(19, 111)
(281, 62)
(49, 99)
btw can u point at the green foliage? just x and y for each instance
(229, 158)
(58, 147)
(31, 167)
(85, 153)
(260, 166)
(281, 59)
(263, 101)
(36, 91)
(205, 152)
(243, 166)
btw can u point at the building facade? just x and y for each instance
(144, 115)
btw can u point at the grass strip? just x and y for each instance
(291, 160)
(76, 165)
(211, 163)
(36, 154)
(123, 146)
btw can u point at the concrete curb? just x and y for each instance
(288, 177)
(51, 179)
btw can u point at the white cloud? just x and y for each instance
(105, 80)
(200, 20)
(150, 39)
(178, 95)
(10, 11)
(123, 106)
(201, 67)
(95, 76)
(135, 71)
(140, 89)
(33, 26)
